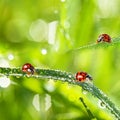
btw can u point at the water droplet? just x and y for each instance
(69, 76)
(17, 76)
(28, 75)
(84, 91)
(69, 80)
(62, 79)
(101, 104)
(36, 76)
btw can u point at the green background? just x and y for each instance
(27, 33)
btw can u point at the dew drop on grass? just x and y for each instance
(84, 91)
(101, 104)
(69, 80)
(28, 75)
(62, 79)
(69, 76)
(18, 76)
(37, 76)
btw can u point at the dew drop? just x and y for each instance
(28, 75)
(37, 76)
(101, 104)
(69, 80)
(84, 91)
(17, 76)
(62, 79)
(69, 76)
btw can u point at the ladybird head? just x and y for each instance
(89, 77)
(100, 38)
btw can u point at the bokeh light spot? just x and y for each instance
(44, 51)
(4, 82)
(36, 102)
(39, 30)
(10, 56)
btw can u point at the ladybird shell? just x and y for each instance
(82, 76)
(104, 38)
(28, 68)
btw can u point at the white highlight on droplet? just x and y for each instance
(84, 91)
(47, 102)
(44, 51)
(4, 82)
(10, 56)
(36, 102)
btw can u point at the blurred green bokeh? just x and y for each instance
(42, 32)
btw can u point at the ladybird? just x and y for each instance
(104, 38)
(82, 76)
(28, 68)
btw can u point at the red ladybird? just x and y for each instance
(82, 76)
(28, 68)
(104, 38)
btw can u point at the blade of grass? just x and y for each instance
(65, 77)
